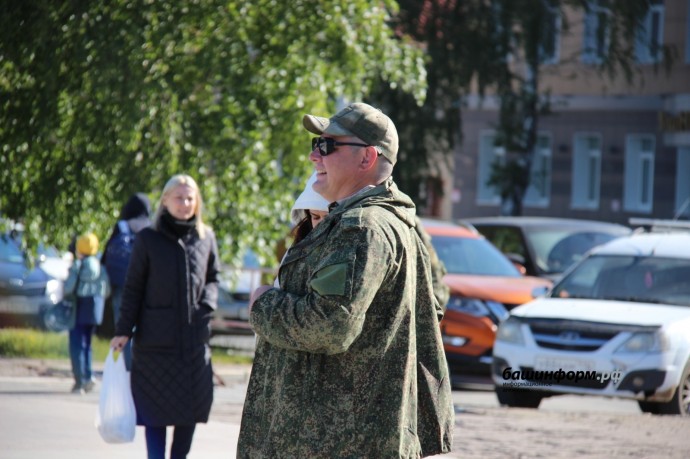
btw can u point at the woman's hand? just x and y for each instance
(118, 342)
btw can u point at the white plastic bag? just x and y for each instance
(116, 417)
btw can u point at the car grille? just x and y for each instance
(570, 335)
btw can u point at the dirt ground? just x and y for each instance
(524, 433)
(488, 433)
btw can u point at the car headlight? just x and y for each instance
(54, 290)
(510, 331)
(479, 308)
(644, 342)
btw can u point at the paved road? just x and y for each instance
(39, 417)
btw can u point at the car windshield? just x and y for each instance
(556, 250)
(462, 255)
(629, 278)
(9, 250)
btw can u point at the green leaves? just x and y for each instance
(99, 100)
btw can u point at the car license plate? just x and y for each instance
(544, 363)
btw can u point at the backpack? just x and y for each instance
(117, 254)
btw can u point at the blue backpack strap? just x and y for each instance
(123, 226)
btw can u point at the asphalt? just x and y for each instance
(40, 417)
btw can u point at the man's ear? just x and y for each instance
(369, 159)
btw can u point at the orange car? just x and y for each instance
(484, 286)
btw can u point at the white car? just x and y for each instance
(617, 325)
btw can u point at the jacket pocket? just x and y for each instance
(157, 328)
(202, 324)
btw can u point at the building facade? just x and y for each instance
(609, 150)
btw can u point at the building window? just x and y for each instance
(597, 32)
(488, 154)
(650, 35)
(539, 189)
(682, 182)
(551, 40)
(638, 194)
(586, 174)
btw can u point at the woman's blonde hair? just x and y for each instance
(176, 180)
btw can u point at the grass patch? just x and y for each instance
(16, 342)
(37, 344)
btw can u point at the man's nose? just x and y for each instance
(315, 155)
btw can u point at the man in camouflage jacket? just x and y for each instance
(349, 361)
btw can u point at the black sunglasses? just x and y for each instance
(327, 146)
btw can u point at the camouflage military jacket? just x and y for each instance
(349, 360)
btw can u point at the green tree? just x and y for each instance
(102, 99)
(451, 35)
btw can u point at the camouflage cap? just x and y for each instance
(361, 120)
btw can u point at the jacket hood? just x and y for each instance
(388, 196)
(308, 200)
(137, 206)
(89, 269)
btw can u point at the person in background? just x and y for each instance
(88, 283)
(134, 216)
(309, 209)
(170, 292)
(349, 360)
(309, 203)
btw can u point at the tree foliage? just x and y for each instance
(451, 34)
(102, 99)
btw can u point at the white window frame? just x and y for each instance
(538, 193)
(593, 50)
(557, 26)
(638, 189)
(682, 182)
(586, 171)
(644, 41)
(487, 153)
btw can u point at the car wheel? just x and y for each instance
(678, 405)
(649, 407)
(518, 398)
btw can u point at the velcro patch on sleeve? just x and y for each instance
(331, 280)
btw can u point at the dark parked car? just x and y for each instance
(546, 246)
(25, 294)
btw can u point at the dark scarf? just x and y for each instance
(180, 228)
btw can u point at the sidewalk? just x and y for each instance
(39, 417)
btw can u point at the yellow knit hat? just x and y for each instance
(87, 244)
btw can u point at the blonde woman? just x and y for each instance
(169, 294)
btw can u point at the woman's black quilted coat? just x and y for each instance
(170, 292)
